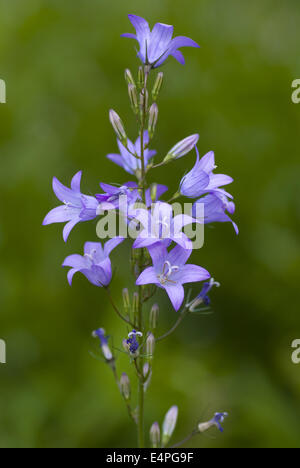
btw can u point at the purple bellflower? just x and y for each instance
(215, 206)
(201, 179)
(170, 272)
(114, 196)
(76, 206)
(159, 225)
(95, 264)
(157, 45)
(126, 159)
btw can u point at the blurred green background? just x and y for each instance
(63, 62)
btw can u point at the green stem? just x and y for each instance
(142, 184)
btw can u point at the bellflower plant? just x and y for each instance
(160, 245)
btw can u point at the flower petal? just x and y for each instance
(176, 295)
(159, 42)
(148, 276)
(60, 214)
(218, 180)
(179, 57)
(76, 261)
(75, 184)
(179, 256)
(68, 227)
(193, 274)
(65, 194)
(112, 244)
(158, 253)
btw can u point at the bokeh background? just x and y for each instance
(63, 63)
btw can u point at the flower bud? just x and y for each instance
(128, 77)
(182, 148)
(154, 314)
(141, 77)
(125, 386)
(132, 92)
(136, 303)
(153, 116)
(144, 97)
(118, 126)
(125, 345)
(169, 424)
(157, 86)
(150, 345)
(126, 301)
(147, 373)
(155, 435)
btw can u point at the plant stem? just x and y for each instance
(142, 184)
(178, 322)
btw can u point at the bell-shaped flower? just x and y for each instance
(216, 205)
(76, 206)
(95, 264)
(126, 158)
(160, 225)
(201, 179)
(157, 45)
(170, 272)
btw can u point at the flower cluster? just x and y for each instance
(161, 249)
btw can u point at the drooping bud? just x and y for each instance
(182, 148)
(150, 345)
(100, 333)
(153, 116)
(215, 421)
(157, 86)
(169, 424)
(155, 435)
(132, 92)
(126, 301)
(128, 77)
(141, 77)
(154, 314)
(118, 126)
(125, 386)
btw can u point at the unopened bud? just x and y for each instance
(125, 386)
(128, 77)
(150, 345)
(155, 435)
(126, 301)
(182, 148)
(132, 92)
(141, 77)
(169, 424)
(118, 126)
(154, 314)
(157, 86)
(144, 97)
(153, 116)
(136, 303)
(147, 373)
